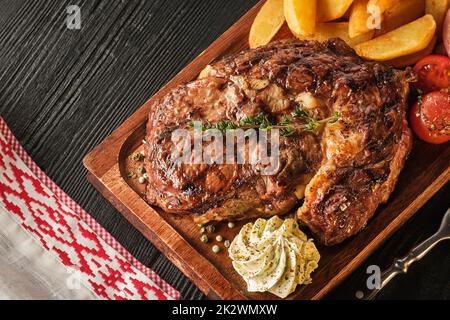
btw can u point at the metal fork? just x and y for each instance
(401, 265)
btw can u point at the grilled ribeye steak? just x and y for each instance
(344, 170)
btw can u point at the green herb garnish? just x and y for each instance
(138, 156)
(300, 113)
(287, 132)
(261, 121)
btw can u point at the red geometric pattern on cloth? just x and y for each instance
(66, 230)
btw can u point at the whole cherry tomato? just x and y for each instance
(433, 73)
(430, 117)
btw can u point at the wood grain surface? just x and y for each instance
(63, 91)
(426, 171)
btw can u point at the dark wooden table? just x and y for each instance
(63, 91)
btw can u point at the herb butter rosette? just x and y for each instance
(273, 255)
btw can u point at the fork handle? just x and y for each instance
(401, 265)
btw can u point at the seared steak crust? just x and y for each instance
(345, 170)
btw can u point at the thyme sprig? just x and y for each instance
(286, 126)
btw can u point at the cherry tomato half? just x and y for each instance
(433, 73)
(430, 119)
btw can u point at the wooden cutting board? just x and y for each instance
(426, 170)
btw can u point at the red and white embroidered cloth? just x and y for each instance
(30, 203)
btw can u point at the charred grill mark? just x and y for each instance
(384, 77)
(300, 78)
(189, 189)
(341, 197)
(378, 176)
(389, 105)
(355, 84)
(166, 134)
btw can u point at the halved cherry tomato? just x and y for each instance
(430, 118)
(433, 73)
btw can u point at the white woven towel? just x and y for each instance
(50, 248)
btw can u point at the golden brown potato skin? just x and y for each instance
(408, 39)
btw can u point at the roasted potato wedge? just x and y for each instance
(408, 39)
(405, 11)
(328, 10)
(414, 57)
(325, 31)
(438, 9)
(359, 17)
(267, 23)
(301, 16)
(379, 7)
(346, 15)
